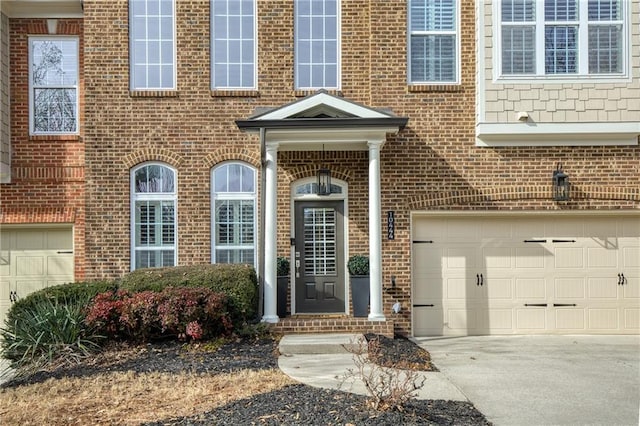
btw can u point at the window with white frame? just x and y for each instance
(433, 42)
(53, 84)
(317, 44)
(153, 216)
(152, 44)
(233, 41)
(233, 187)
(562, 37)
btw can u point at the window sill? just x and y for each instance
(70, 138)
(234, 93)
(301, 93)
(154, 93)
(435, 88)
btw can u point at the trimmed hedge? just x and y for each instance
(238, 282)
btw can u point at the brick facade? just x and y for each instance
(433, 164)
(47, 182)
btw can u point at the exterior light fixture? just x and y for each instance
(324, 181)
(560, 184)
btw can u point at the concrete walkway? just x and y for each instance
(545, 380)
(321, 360)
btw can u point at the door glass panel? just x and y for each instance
(320, 241)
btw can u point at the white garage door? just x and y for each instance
(525, 275)
(31, 259)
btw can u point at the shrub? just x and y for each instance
(358, 264)
(238, 282)
(185, 313)
(283, 267)
(48, 330)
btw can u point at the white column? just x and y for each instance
(375, 233)
(270, 235)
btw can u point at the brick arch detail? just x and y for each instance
(310, 170)
(232, 154)
(153, 154)
(514, 193)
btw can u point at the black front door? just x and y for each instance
(319, 257)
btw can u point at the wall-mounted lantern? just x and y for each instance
(560, 184)
(324, 181)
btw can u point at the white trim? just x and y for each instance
(246, 196)
(583, 75)
(338, 50)
(293, 198)
(164, 196)
(323, 99)
(76, 87)
(131, 53)
(557, 134)
(456, 33)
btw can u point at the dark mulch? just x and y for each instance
(291, 405)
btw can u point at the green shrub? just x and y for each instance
(358, 264)
(283, 267)
(48, 330)
(186, 313)
(237, 282)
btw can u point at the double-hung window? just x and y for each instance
(233, 41)
(152, 44)
(234, 214)
(53, 84)
(317, 44)
(433, 42)
(562, 37)
(153, 217)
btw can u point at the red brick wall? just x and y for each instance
(431, 165)
(47, 172)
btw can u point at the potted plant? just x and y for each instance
(283, 272)
(358, 266)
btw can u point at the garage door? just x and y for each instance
(31, 259)
(525, 275)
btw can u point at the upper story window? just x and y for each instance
(433, 42)
(152, 44)
(233, 196)
(317, 44)
(562, 37)
(154, 219)
(233, 41)
(53, 81)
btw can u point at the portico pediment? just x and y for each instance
(323, 120)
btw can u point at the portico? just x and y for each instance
(322, 122)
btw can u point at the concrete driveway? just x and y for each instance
(545, 380)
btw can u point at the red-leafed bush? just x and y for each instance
(185, 313)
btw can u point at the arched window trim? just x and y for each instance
(241, 200)
(160, 236)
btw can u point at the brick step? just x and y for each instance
(305, 324)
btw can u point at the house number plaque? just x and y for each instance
(391, 225)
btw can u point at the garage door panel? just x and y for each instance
(603, 318)
(631, 319)
(461, 258)
(531, 289)
(497, 258)
(565, 227)
(631, 288)
(603, 288)
(495, 228)
(30, 240)
(569, 318)
(426, 257)
(530, 257)
(428, 290)
(600, 257)
(495, 319)
(631, 257)
(428, 321)
(29, 266)
(569, 288)
(569, 257)
(460, 320)
(457, 288)
(531, 319)
(25, 287)
(59, 239)
(529, 229)
(59, 265)
(630, 227)
(498, 288)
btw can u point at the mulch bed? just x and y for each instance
(292, 405)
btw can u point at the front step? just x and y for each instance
(332, 324)
(310, 344)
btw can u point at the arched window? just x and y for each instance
(233, 216)
(153, 216)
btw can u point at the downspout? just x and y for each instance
(263, 184)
